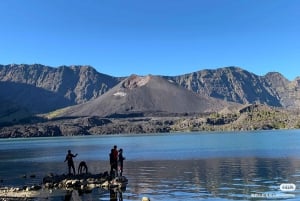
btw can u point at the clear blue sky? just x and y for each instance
(160, 37)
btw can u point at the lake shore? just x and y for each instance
(254, 118)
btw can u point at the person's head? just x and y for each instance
(115, 146)
(121, 150)
(69, 151)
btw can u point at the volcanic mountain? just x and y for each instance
(145, 94)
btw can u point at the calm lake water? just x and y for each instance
(177, 166)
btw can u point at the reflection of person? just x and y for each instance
(82, 166)
(69, 158)
(113, 195)
(121, 159)
(120, 196)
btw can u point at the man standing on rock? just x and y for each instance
(114, 161)
(69, 158)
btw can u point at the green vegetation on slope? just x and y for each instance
(253, 117)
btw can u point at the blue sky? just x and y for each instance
(159, 37)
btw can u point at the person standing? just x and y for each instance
(111, 161)
(121, 159)
(113, 158)
(69, 158)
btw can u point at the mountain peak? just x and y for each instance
(135, 81)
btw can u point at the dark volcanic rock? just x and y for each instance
(58, 127)
(40, 130)
(252, 117)
(149, 94)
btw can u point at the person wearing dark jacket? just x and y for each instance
(121, 159)
(113, 163)
(69, 158)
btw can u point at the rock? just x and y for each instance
(91, 186)
(88, 181)
(36, 187)
(105, 184)
(83, 182)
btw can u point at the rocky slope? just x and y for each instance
(252, 117)
(238, 85)
(144, 95)
(11, 113)
(287, 91)
(230, 84)
(36, 89)
(43, 89)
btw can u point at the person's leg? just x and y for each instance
(116, 168)
(86, 169)
(111, 169)
(69, 169)
(73, 169)
(121, 168)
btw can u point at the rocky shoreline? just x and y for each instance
(253, 117)
(65, 184)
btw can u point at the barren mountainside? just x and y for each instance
(238, 85)
(230, 84)
(41, 89)
(287, 91)
(146, 94)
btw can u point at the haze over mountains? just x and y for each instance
(41, 89)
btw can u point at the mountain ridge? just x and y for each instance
(41, 89)
(146, 94)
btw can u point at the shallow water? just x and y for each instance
(182, 166)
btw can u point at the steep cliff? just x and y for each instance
(42, 89)
(230, 84)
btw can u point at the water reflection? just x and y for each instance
(228, 178)
(209, 167)
(219, 179)
(116, 194)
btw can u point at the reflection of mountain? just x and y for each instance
(231, 178)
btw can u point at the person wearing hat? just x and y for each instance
(121, 159)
